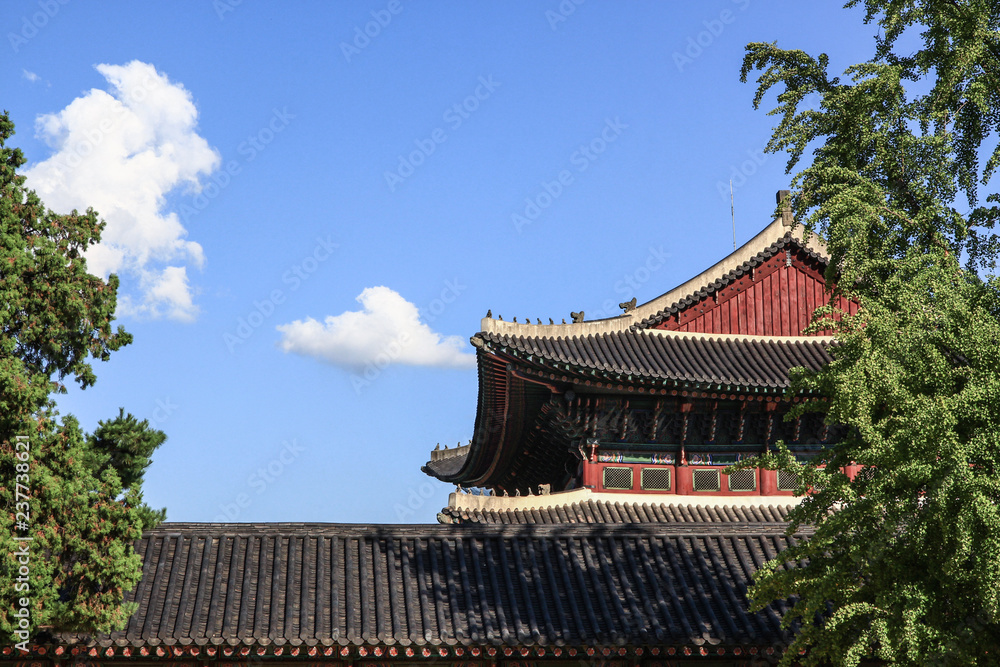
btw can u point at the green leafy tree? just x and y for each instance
(904, 563)
(72, 505)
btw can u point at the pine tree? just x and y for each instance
(73, 505)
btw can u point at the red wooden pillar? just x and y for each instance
(685, 484)
(769, 478)
(591, 476)
(768, 482)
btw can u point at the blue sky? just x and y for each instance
(312, 204)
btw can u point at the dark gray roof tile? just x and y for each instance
(570, 584)
(741, 361)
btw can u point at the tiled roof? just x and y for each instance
(446, 467)
(744, 361)
(603, 511)
(440, 586)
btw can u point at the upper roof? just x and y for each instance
(351, 586)
(777, 237)
(655, 354)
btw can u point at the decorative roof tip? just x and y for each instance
(783, 199)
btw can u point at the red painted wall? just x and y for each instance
(777, 300)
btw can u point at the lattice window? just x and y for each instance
(706, 480)
(743, 480)
(866, 474)
(655, 479)
(787, 481)
(617, 478)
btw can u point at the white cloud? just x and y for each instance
(30, 76)
(164, 293)
(122, 152)
(388, 330)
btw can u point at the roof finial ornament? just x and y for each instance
(489, 313)
(500, 317)
(785, 202)
(628, 306)
(505, 493)
(544, 489)
(551, 321)
(437, 447)
(515, 318)
(517, 493)
(539, 320)
(577, 317)
(564, 320)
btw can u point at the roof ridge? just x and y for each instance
(669, 333)
(453, 531)
(470, 502)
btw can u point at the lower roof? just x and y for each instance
(590, 511)
(351, 587)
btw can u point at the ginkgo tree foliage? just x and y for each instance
(71, 503)
(896, 174)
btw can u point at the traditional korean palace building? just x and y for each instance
(593, 520)
(653, 404)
